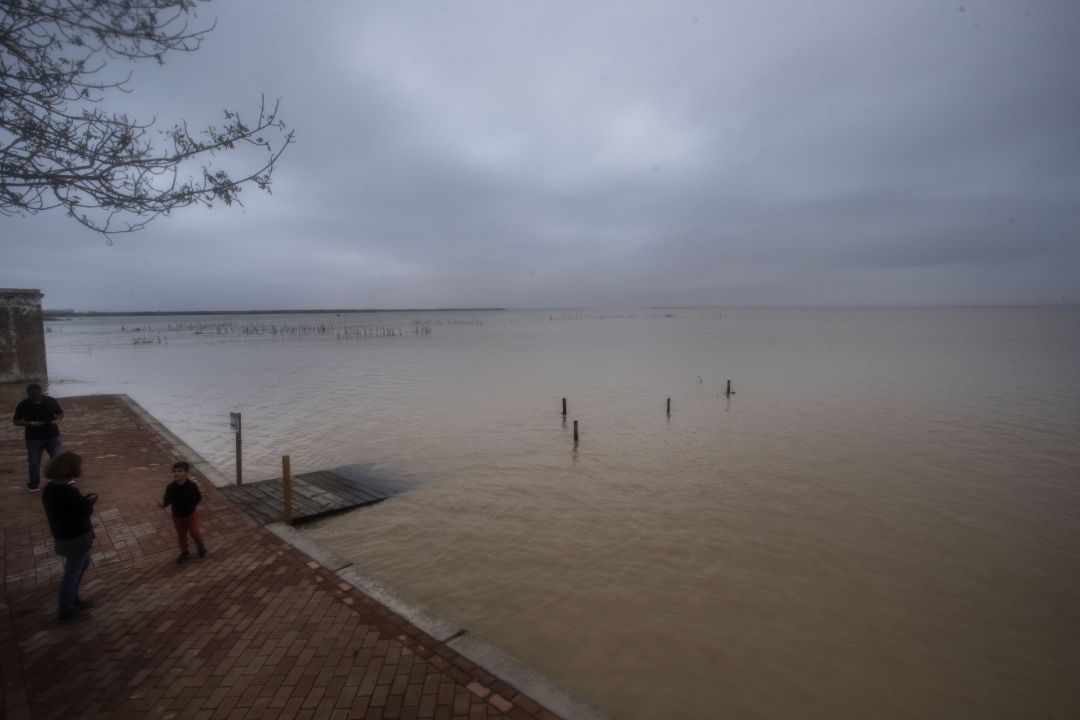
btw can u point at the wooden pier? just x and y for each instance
(314, 495)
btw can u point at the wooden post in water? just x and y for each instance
(729, 388)
(575, 432)
(669, 406)
(234, 422)
(286, 488)
(564, 406)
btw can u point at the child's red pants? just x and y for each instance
(185, 525)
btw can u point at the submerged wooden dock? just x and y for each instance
(314, 495)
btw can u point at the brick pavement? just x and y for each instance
(255, 630)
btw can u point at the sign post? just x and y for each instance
(234, 423)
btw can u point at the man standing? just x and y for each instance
(39, 414)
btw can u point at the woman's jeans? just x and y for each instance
(74, 567)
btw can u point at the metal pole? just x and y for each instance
(286, 487)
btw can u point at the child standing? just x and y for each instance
(184, 496)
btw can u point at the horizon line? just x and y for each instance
(69, 312)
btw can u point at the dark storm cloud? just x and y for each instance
(549, 153)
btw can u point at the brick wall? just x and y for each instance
(22, 336)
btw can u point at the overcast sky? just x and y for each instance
(559, 153)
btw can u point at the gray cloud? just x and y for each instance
(644, 153)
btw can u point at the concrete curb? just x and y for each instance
(528, 680)
(420, 616)
(207, 470)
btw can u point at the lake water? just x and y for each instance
(883, 520)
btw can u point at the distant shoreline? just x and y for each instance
(66, 313)
(54, 314)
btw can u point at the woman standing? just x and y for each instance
(69, 512)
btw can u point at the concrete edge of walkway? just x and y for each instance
(527, 679)
(431, 623)
(532, 682)
(197, 462)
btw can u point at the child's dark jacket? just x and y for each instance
(183, 497)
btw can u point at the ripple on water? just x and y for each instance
(881, 522)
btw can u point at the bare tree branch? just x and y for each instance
(59, 150)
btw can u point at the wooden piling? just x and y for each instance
(234, 421)
(564, 406)
(575, 432)
(286, 488)
(669, 406)
(729, 388)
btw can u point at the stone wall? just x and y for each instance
(22, 336)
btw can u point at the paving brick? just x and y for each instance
(501, 703)
(527, 703)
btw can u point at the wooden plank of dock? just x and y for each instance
(314, 495)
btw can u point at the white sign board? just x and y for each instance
(234, 422)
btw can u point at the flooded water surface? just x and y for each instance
(882, 521)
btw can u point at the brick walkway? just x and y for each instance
(255, 630)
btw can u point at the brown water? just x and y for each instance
(883, 521)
